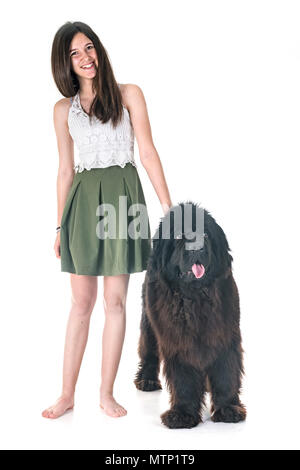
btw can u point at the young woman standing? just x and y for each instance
(101, 117)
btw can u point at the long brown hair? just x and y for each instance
(107, 103)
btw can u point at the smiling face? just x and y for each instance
(83, 56)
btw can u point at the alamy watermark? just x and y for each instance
(177, 221)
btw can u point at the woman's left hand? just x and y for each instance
(166, 207)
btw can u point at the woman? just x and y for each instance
(101, 116)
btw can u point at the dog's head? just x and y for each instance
(189, 247)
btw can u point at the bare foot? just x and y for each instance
(59, 408)
(111, 407)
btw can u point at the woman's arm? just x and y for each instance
(66, 154)
(134, 100)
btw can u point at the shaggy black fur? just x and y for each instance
(192, 324)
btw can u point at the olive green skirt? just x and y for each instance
(102, 231)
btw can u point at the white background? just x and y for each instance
(221, 82)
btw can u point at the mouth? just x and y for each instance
(90, 66)
(197, 271)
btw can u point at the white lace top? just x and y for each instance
(100, 145)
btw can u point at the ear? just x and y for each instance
(230, 259)
(160, 255)
(220, 245)
(154, 261)
(166, 252)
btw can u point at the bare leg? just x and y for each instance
(114, 301)
(84, 295)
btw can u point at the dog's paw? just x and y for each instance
(229, 414)
(174, 418)
(147, 385)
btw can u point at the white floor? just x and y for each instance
(86, 427)
(31, 381)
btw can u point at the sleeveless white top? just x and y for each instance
(100, 145)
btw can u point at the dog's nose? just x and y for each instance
(197, 251)
(196, 246)
(195, 255)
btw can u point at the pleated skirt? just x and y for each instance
(105, 229)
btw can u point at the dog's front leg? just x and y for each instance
(225, 382)
(146, 378)
(187, 387)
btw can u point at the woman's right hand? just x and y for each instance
(57, 245)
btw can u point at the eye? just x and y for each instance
(73, 53)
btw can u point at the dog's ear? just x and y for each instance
(219, 243)
(162, 245)
(158, 259)
(153, 262)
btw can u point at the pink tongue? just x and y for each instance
(198, 270)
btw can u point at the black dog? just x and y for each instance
(190, 321)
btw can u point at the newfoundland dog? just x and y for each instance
(190, 320)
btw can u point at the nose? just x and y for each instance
(86, 54)
(197, 252)
(196, 246)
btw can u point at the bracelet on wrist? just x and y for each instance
(58, 228)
